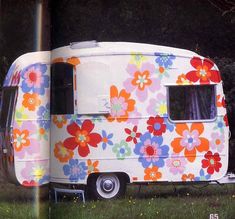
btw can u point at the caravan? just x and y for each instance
(107, 114)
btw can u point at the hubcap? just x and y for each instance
(107, 185)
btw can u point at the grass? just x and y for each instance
(152, 201)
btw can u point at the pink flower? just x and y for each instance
(217, 142)
(34, 144)
(157, 106)
(190, 139)
(134, 117)
(141, 80)
(176, 164)
(37, 171)
(33, 77)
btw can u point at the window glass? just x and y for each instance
(7, 106)
(62, 97)
(195, 102)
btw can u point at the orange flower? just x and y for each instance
(92, 167)
(31, 101)
(20, 139)
(62, 153)
(141, 80)
(182, 80)
(187, 177)
(152, 173)
(57, 60)
(190, 140)
(59, 120)
(121, 105)
(73, 61)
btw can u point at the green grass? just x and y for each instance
(156, 202)
(152, 201)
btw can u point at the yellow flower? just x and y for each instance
(137, 59)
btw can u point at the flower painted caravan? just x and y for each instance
(107, 114)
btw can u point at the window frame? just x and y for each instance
(189, 120)
(73, 92)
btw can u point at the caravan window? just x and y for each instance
(62, 98)
(7, 106)
(192, 102)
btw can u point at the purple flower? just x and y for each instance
(44, 117)
(202, 176)
(75, 170)
(217, 141)
(151, 150)
(165, 60)
(35, 78)
(106, 139)
(169, 126)
(74, 118)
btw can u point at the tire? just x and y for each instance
(107, 186)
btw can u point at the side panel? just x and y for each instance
(30, 129)
(137, 137)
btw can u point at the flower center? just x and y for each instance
(220, 124)
(105, 140)
(176, 163)
(133, 134)
(141, 79)
(31, 101)
(161, 70)
(162, 108)
(152, 174)
(150, 150)
(63, 151)
(82, 138)
(75, 170)
(190, 140)
(212, 162)
(33, 76)
(117, 107)
(217, 141)
(38, 173)
(203, 73)
(157, 126)
(122, 150)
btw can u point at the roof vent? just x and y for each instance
(83, 44)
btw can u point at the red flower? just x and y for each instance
(203, 71)
(226, 120)
(211, 162)
(133, 134)
(156, 125)
(31, 183)
(82, 137)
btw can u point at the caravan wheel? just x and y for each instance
(108, 186)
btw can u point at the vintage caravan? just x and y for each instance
(107, 114)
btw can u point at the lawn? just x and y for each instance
(152, 201)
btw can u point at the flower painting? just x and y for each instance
(82, 137)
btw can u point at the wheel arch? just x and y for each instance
(125, 176)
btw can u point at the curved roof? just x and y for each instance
(89, 48)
